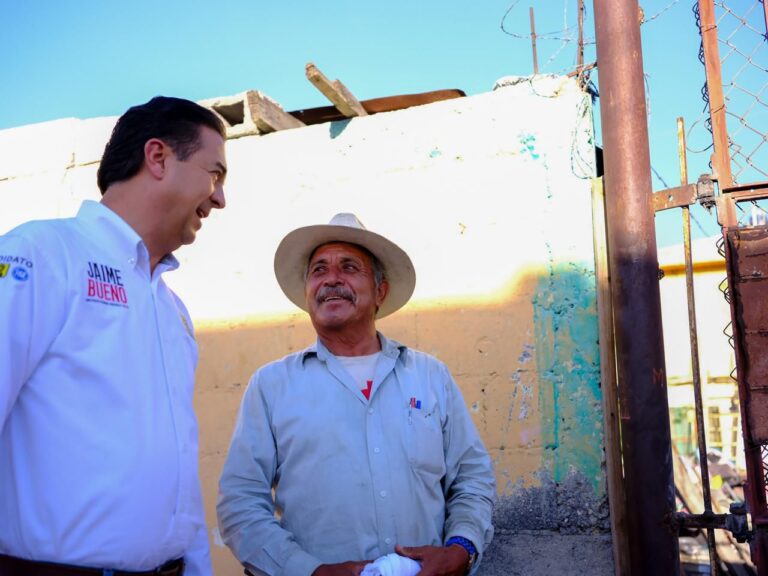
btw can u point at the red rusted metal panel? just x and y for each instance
(747, 264)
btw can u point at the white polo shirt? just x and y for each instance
(98, 439)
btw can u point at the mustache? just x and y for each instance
(334, 292)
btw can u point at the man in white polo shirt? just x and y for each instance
(367, 443)
(98, 439)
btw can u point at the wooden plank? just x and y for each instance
(609, 385)
(336, 92)
(267, 115)
(376, 105)
(390, 103)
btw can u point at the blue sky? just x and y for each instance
(88, 58)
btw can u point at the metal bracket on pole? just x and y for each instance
(703, 192)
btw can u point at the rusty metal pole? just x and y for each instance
(646, 441)
(765, 15)
(693, 336)
(533, 42)
(721, 160)
(580, 49)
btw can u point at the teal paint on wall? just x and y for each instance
(528, 145)
(568, 364)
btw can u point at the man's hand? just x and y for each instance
(438, 560)
(341, 569)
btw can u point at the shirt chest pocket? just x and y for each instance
(425, 440)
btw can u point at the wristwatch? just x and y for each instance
(468, 546)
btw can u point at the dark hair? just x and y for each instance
(175, 121)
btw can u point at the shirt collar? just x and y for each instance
(125, 239)
(390, 348)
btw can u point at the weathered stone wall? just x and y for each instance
(490, 195)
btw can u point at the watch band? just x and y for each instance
(468, 546)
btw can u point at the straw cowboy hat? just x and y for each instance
(292, 258)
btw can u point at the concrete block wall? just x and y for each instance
(490, 195)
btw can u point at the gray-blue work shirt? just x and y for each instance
(351, 477)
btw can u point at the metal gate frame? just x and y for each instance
(745, 250)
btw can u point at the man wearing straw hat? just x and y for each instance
(367, 443)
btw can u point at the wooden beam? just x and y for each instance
(609, 385)
(376, 105)
(267, 115)
(336, 92)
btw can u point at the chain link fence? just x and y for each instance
(742, 31)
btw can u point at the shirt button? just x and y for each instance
(383, 493)
(388, 540)
(376, 450)
(370, 410)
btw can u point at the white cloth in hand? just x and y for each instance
(392, 565)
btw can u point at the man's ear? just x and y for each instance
(156, 153)
(381, 293)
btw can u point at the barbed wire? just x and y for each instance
(741, 58)
(565, 34)
(660, 12)
(562, 34)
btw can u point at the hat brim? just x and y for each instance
(292, 257)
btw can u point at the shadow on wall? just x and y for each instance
(528, 366)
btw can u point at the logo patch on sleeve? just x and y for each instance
(104, 284)
(20, 274)
(21, 270)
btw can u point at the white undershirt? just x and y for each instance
(362, 369)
